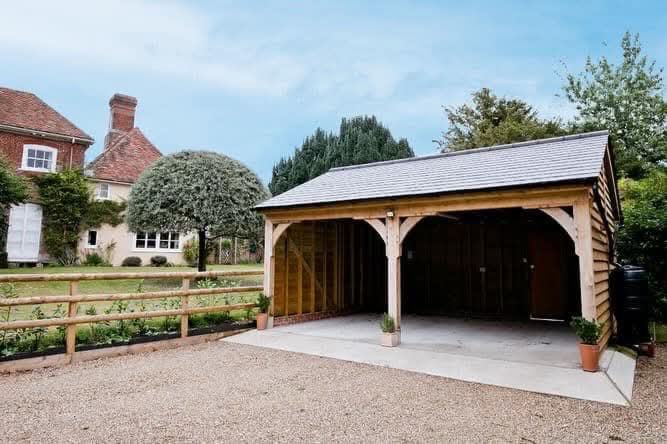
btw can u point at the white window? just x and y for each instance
(104, 191)
(39, 158)
(157, 241)
(91, 241)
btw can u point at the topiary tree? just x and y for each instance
(199, 191)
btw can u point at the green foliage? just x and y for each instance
(191, 251)
(493, 120)
(628, 100)
(131, 261)
(68, 208)
(360, 140)
(388, 325)
(642, 239)
(13, 191)
(13, 188)
(197, 191)
(94, 259)
(587, 331)
(159, 261)
(263, 303)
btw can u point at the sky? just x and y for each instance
(252, 79)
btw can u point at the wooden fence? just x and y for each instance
(73, 298)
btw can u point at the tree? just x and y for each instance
(360, 140)
(493, 120)
(69, 208)
(209, 193)
(627, 99)
(642, 239)
(13, 191)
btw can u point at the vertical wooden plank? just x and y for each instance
(300, 275)
(394, 270)
(70, 331)
(325, 265)
(269, 264)
(336, 268)
(362, 258)
(313, 268)
(185, 303)
(286, 286)
(353, 276)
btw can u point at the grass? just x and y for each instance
(51, 288)
(661, 333)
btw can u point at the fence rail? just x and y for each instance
(74, 298)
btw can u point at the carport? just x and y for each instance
(518, 232)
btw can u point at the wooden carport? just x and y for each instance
(310, 241)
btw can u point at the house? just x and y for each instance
(37, 140)
(519, 231)
(126, 154)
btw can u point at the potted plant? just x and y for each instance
(589, 350)
(390, 337)
(263, 303)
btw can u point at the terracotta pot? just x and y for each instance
(262, 319)
(391, 339)
(590, 355)
(648, 349)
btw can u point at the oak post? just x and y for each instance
(269, 263)
(393, 251)
(584, 244)
(70, 331)
(185, 303)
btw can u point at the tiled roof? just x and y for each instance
(125, 159)
(26, 110)
(561, 159)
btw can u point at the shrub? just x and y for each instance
(93, 259)
(263, 303)
(387, 324)
(131, 261)
(587, 331)
(158, 261)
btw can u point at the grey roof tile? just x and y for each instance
(560, 159)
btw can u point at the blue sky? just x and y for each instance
(253, 79)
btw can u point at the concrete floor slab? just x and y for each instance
(531, 357)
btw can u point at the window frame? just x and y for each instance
(44, 148)
(97, 239)
(137, 237)
(98, 190)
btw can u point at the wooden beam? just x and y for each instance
(70, 331)
(325, 262)
(407, 225)
(185, 303)
(286, 286)
(300, 277)
(582, 221)
(269, 264)
(379, 226)
(565, 221)
(278, 231)
(299, 255)
(313, 275)
(336, 268)
(393, 250)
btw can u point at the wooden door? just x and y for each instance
(547, 280)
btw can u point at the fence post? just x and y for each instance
(70, 332)
(185, 303)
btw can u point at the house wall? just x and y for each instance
(124, 239)
(69, 154)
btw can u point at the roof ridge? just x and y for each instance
(476, 150)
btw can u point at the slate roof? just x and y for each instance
(561, 159)
(25, 110)
(125, 159)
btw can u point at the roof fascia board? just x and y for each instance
(45, 134)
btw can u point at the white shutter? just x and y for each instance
(24, 234)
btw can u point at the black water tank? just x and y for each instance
(630, 297)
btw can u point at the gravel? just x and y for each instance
(237, 393)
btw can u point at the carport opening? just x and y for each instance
(499, 264)
(507, 264)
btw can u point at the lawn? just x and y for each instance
(51, 288)
(661, 333)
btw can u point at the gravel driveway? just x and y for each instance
(235, 393)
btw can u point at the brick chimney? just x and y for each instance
(121, 117)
